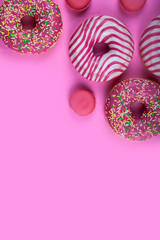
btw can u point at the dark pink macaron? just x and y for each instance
(132, 5)
(82, 102)
(78, 4)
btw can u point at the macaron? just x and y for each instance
(132, 5)
(78, 4)
(82, 102)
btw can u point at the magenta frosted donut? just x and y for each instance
(109, 32)
(82, 102)
(150, 46)
(1, 8)
(48, 25)
(132, 5)
(78, 4)
(119, 112)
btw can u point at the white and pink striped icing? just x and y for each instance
(150, 46)
(101, 29)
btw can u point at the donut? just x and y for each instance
(132, 5)
(106, 31)
(149, 46)
(78, 5)
(1, 8)
(47, 30)
(119, 114)
(82, 102)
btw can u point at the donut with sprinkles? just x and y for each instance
(47, 30)
(119, 114)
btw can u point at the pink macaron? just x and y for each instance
(78, 4)
(82, 102)
(132, 5)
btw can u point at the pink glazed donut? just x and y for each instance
(119, 106)
(111, 33)
(48, 25)
(150, 47)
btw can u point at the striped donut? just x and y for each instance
(107, 30)
(150, 46)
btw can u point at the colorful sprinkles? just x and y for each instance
(30, 41)
(118, 109)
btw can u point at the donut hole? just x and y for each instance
(28, 22)
(137, 110)
(100, 49)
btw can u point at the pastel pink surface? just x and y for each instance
(65, 177)
(82, 102)
(78, 4)
(132, 5)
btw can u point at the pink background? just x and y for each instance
(65, 177)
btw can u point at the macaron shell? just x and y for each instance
(132, 5)
(78, 4)
(82, 102)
